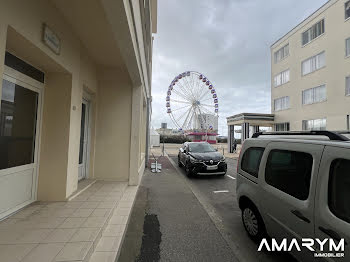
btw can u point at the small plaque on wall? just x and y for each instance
(51, 40)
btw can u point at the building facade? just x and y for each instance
(75, 95)
(209, 136)
(310, 73)
(208, 121)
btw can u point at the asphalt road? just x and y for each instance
(168, 223)
(218, 196)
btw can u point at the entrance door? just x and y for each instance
(19, 136)
(84, 140)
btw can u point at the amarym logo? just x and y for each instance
(315, 245)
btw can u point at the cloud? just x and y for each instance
(226, 40)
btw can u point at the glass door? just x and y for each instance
(19, 128)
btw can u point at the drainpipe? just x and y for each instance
(149, 101)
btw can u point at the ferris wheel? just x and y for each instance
(191, 98)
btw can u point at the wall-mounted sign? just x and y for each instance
(51, 40)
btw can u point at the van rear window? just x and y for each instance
(338, 190)
(251, 160)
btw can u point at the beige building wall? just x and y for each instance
(22, 21)
(337, 106)
(89, 82)
(113, 126)
(113, 78)
(55, 137)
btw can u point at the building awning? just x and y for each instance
(254, 119)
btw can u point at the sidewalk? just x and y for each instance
(169, 224)
(91, 224)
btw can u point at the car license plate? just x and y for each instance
(212, 167)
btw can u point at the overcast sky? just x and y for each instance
(226, 40)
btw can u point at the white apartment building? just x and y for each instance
(310, 72)
(208, 121)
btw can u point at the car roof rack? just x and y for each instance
(331, 135)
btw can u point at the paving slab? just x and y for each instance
(67, 230)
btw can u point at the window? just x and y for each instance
(251, 160)
(282, 127)
(347, 9)
(347, 47)
(314, 95)
(314, 31)
(281, 53)
(281, 103)
(18, 114)
(281, 78)
(313, 63)
(290, 172)
(338, 189)
(347, 85)
(197, 138)
(21, 66)
(315, 124)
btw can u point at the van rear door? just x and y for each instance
(287, 189)
(332, 205)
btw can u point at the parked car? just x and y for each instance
(201, 158)
(295, 188)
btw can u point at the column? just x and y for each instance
(135, 136)
(245, 132)
(54, 170)
(230, 137)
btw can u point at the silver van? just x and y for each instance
(296, 185)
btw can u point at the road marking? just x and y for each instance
(221, 191)
(231, 177)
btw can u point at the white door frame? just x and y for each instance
(16, 77)
(87, 146)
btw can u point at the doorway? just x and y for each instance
(84, 150)
(20, 114)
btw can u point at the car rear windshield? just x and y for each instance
(201, 148)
